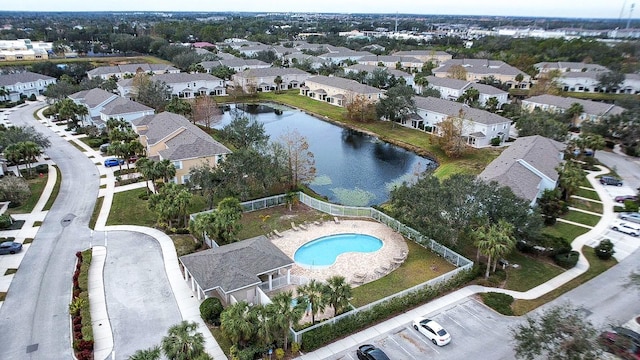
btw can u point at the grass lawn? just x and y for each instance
(77, 146)
(128, 209)
(589, 194)
(96, 212)
(223, 341)
(582, 218)
(421, 265)
(55, 191)
(279, 218)
(185, 244)
(565, 230)
(596, 267)
(586, 205)
(531, 273)
(36, 185)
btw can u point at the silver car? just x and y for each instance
(635, 217)
(627, 228)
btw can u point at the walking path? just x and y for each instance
(582, 266)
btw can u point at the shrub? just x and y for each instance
(567, 260)
(279, 354)
(32, 97)
(14, 189)
(498, 302)
(630, 206)
(210, 310)
(42, 168)
(5, 221)
(84, 355)
(495, 141)
(604, 250)
(295, 347)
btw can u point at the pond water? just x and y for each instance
(352, 168)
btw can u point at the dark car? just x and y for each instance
(10, 247)
(622, 342)
(370, 352)
(623, 198)
(610, 180)
(113, 162)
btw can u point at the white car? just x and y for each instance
(432, 330)
(627, 228)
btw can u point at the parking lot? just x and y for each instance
(474, 329)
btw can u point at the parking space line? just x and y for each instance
(452, 319)
(401, 347)
(422, 338)
(482, 321)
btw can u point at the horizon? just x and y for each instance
(588, 9)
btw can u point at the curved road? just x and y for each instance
(34, 319)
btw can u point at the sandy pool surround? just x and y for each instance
(346, 264)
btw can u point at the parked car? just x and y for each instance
(623, 198)
(627, 228)
(635, 217)
(132, 159)
(113, 162)
(432, 330)
(622, 342)
(610, 180)
(10, 247)
(104, 147)
(370, 352)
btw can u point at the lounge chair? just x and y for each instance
(380, 271)
(317, 223)
(360, 275)
(294, 227)
(335, 218)
(302, 226)
(277, 233)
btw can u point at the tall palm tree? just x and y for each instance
(339, 293)
(502, 232)
(30, 151)
(146, 168)
(595, 142)
(147, 354)
(235, 323)
(316, 294)
(14, 154)
(183, 342)
(287, 314)
(484, 243)
(165, 169)
(265, 324)
(570, 177)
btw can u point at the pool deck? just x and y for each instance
(357, 268)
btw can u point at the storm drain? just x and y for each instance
(32, 348)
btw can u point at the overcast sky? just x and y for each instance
(542, 8)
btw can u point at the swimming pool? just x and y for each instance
(323, 252)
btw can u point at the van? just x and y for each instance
(610, 180)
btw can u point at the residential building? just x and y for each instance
(340, 56)
(369, 69)
(589, 82)
(393, 62)
(127, 70)
(592, 110)
(236, 64)
(182, 85)
(527, 166)
(241, 271)
(567, 66)
(452, 89)
(314, 62)
(436, 57)
(479, 69)
(479, 127)
(24, 49)
(338, 91)
(171, 136)
(24, 84)
(264, 80)
(103, 105)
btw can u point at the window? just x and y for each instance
(185, 178)
(177, 164)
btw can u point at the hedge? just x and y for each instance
(498, 302)
(323, 335)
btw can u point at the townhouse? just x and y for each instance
(479, 69)
(182, 85)
(394, 62)
(338, 91)
(592, 110)
(128, 70)
(103, 105)
(264, 80)
(433, 56)
(452, 89)
(369, 69)
(24, 84)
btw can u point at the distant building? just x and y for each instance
(479, 69)
(122, 71)
(264, 79)
(24, 84)
(566, 66)
(24, 49)
(338, 91)
(592, 110)
(369, 69)
(182, 85)
(393, 62)
(452, 89)
(436, 57)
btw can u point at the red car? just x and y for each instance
(623, 198)
(622, 342)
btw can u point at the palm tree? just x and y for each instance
(4, 93)
(30, 151)
(14, 154)
(183, 342)
(147, 354)
(484, 243)
(316, 294)
(165, 169)
(339, 293)
(203, 224)
(570, 177)
(265, 324)
(573, 113)
(594, 142)
(502, 232)
(235, 323)
(146, 168)
(286, 314)
(278, 82)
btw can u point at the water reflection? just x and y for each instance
(352, 168)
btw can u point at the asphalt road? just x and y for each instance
(627, 167)
(34, 319)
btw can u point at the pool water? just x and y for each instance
(324, 251)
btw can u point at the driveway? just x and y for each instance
(627, 167)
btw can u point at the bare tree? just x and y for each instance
(457, 72)
(206, 111)
(300, 161)
(450, 136)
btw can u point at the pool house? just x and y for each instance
(236, 272)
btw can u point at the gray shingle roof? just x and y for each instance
(389, 58)
(23, 77)
(481, 67)
(346, 84)
(510, 168)
(235, 266)
(183, 139)
(170, 78)
(464, 85)
(452, 108)
(130, 68)
(124, 106)
(589, 107)
(93, 97)
(266, 72)
(371, 68)
(420, 53)
(561, 65)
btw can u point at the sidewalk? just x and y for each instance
(451, 299)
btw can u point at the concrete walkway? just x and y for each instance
(188, 304)
(441, 303)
